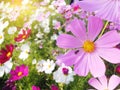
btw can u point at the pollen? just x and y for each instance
(88, 46)
(24, 36)
(20, 73)
(0, 37)
(8, 54)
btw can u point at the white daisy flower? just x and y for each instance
(1, 37)
(64, 74)
(12, 30)
(49, 66)
(6, 67)
(40, 66)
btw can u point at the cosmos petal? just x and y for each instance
(107, 39)
(96, 65)
(111, 55)
(68, 41)
(114, 81)
(95, 26)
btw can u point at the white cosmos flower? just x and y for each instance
(25, 48)
(64, 74)
(40, 66)
(49, 66)
(3, 25)
(12, 30)
(23, 55)
(6, 67)
(1, 37)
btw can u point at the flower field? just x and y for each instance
(59, 45)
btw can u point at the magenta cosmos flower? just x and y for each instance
(23, 36)
(19, 72)
(35, 87)
(88, 50)
(102, 83)
(106, 9)
(6, 54)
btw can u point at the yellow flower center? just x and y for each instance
(8, 54)
(0, 37)
(20, 73)
(24, 36)
(49, 66)
(88, 46)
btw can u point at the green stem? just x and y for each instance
(103, 29)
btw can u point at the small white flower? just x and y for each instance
(46, 30)
(54, 37)
(64, 74)
(6, 67)
(12, 30)
(40, 66)
(34, 61)
(1, 37)
(49, 66)
(25, 48)
(52, 7)
(3, 25)
(23, 55)
(39, 35)
(45, 23)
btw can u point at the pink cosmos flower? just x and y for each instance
(105, 9)
(35, 87)
(19, 72)
(24, 35)
(103, 84)
(6, 54)
(88, 49)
